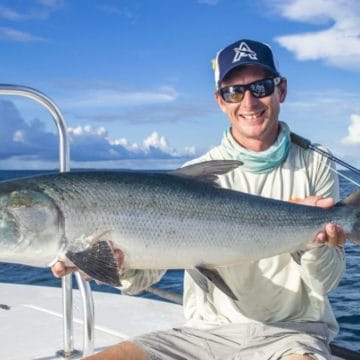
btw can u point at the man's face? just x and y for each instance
(254, 121)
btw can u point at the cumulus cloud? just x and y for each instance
(19, 138)
(29, 141)
(89, 143)
(338, 43)
(353, 136)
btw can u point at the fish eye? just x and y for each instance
(20, 198)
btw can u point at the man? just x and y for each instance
(281, 311)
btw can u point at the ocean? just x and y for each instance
(345, 299)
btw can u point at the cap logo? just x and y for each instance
(244, 51)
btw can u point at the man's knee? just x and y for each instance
(126, 350)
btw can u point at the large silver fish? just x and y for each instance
(158, 220)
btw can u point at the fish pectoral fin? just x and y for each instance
(97, 261)
(199, 279)
(201, 275)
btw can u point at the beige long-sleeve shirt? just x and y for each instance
(272, 289)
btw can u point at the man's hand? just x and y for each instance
(333, 235)
(59, 269)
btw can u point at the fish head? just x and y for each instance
(30, 227)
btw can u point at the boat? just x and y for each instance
(44, 322)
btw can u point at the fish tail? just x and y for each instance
(353, 201)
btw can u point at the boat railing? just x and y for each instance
(84, 287)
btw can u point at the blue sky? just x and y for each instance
(134, 80)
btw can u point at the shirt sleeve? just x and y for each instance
(135, 281)
(322, 267)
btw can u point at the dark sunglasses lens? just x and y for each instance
(232, 94)
(262, 88)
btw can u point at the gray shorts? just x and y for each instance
(237, 342)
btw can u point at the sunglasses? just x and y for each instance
(258, 89)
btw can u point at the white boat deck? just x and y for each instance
(32, 327)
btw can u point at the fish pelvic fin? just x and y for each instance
(207, 171)
(353, 201)
(97, 261)
(201, 276)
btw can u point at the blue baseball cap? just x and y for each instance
(243, 52)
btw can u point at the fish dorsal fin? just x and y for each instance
(207, 171)
(352, 199)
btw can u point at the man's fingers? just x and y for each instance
(321, 238)
(333, 236)
(59, 269)
(325, 202)
(315, 200)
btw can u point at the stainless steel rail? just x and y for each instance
(64, 165)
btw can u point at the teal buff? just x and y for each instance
(263, 161)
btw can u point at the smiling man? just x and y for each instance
(280, 308)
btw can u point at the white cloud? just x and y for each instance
(154, 140)
(87, 130)
(97, 138)
(96, 98)
(155, 146)
(41, 12)
(11, 14)
(19, 36)
(332, 105)
(91, 146)
(337, 44)
(18, 136)
(353, 137)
